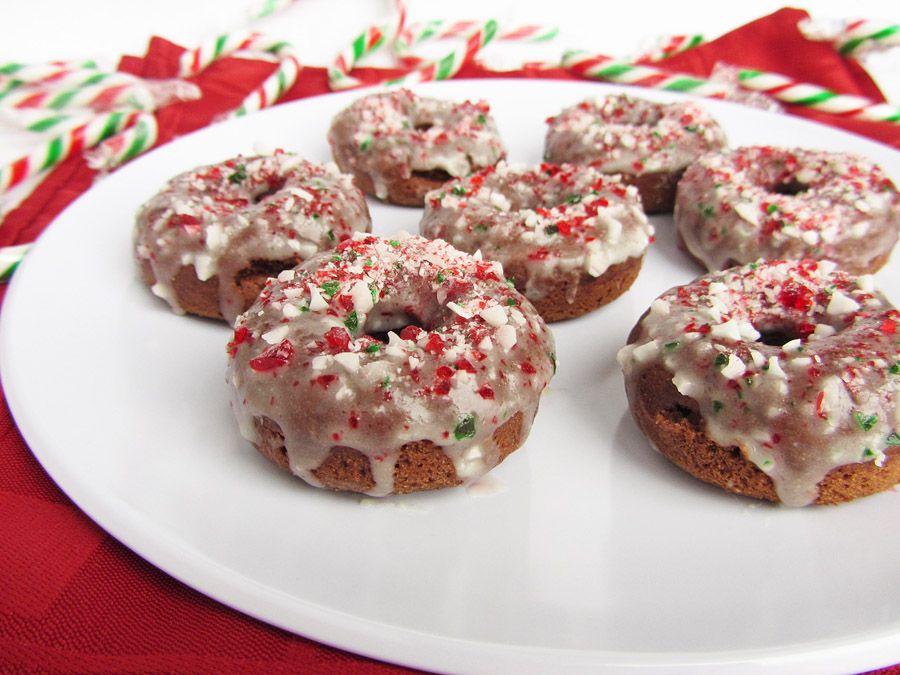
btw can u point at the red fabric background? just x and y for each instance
(72, 598)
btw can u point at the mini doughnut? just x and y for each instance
(399, 145)
(777, 380)
(737, 206)
(649, 143)
(389, 366)
(207, 242)
(571, 238)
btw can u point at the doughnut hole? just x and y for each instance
(778, 335)
(395, 316)
(789, 187)
(268, 189)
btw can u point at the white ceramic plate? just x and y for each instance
(584, 550)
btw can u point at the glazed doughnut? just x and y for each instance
(207, 242)
(649, 143)
(571, 238)
(777, 380)
(399, 145)
(737, 206)
(389, 366)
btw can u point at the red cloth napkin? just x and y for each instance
(72, 599)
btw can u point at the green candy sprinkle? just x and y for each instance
(331, 236)
(440, 278)
(365, 145)
(863, 421)
(511, 302)
(481, 119)
(707, 211)
(458, 190)
(465, 428)
(895, 369)
(551, 229)
(573, 199)
(374, 347)
(330, 287)
(771, 208)
(721, 360)
(672, 345)
(893, 439)
(481, 227)
(239, 175)
(717, 406)
(352, 321)
(385, 383)
(394, 243)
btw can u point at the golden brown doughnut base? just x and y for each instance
(202, 297)
(422, 465)
(673, 425)
(593, 292)
(657, 189)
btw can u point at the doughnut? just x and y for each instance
(570, 238)
(389, 366)
(649, 143)
(776, 380)
(399, 145)
(207, 242)
(736, 206)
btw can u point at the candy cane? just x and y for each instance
(35, 72)
(450, 64)
(367, 42)
(276, 84)
(860, 36)
(601, 67)
(65, 145)
(195, 60)
(777, 86)
(815, 97)
(126, 145)
(670, 45)
(121, 92)
(10, 257)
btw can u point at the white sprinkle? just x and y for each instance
(395, 345)
(291, 311)
(801, 362)
(506, 336)
(477, 255)
(826, 267)
(302, 194)
(841, 304)
(794, 345)
(775, 368)
(748, 212)
(349, 360)
(823, 330)
(215, 236)
(457, 309)
(626, 140)
(276, 335)
(316, 302)
(734, 368)
(320, 362)
(495, 315)
(498, 200)
(758, 359)
(717, 287)
(726, 331)
(362, 296)
(286, 275)
(485, 345)
(414, 362)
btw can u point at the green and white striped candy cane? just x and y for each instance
(368, 42)
(58, 148)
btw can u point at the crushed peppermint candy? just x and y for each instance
(736, 206)
(443, 350)
(561, 224)
(623, 134)
(815, 390)
(389, 136)
(225, 218)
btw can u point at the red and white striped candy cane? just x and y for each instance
(367, 42)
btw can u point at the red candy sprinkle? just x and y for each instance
(888, 326)
(338, 339)
(486, 392)
(435, 344)
(410, 333)
(241, 335)
(274, 357)
(528, 368)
